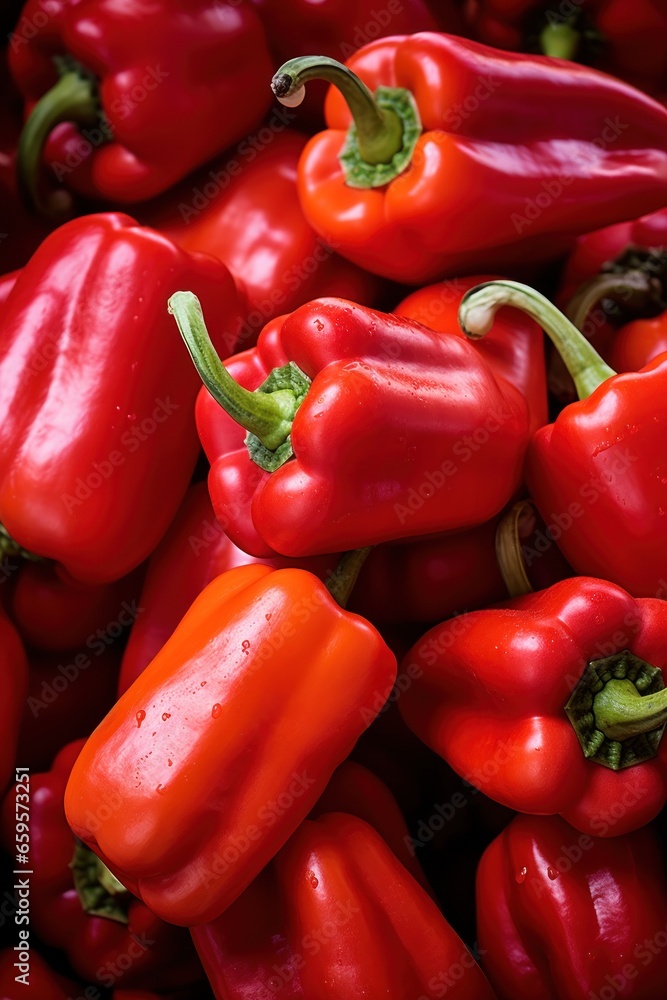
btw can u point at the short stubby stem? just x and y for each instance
(478, 310)
(341, 581)
(619, 710)
(98, 889)
(268, 412)
(72, 99)
(381, 142)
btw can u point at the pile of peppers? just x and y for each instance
(333, 500)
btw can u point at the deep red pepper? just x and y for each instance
(391, 439)
(97, 947)
(491, 688)
(514, 348)
(148, 81)
(52, 611)
(245, 211)
(614, 289)
(563, 916)
(193, 552)
(355, 790)
(622, 37)
(597, 472)
(337, 917)
(68, 694)
(557, 152)
(97, 436)
(14, 685)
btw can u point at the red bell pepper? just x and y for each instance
(245, 211)
(7, 282)
(389, 439)
(555, 703)
(355, 790)
(194, 552)
(68, 694)
(52, 611)
(514, 348)
(337, 917)
(563, 915)
(226, 740)
(615, 290)
(14, 685)
(597, 469)
(618, 36)
(97, 436)
(108, 937)
(558, 153)
(123, 100)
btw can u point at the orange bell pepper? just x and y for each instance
(221, 747)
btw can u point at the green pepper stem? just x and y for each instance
(72, 99)
(560, 41)
(622, 712)
(633, 287)
(379, 130)
(341, 582)
(98, 889)
(266, 415)
(480, 305)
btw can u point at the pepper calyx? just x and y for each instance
(618, 710)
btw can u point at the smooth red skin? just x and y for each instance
(390, 941)
(355, 790)
(53, 613)
(44, 983)
(605, 454)
(631, 32)
(427, 224)
(255, 226)
(88, 353)
(638, 343)
(572, 935)
(210, 52)
(390, 402)
(14, 686)
(426, 581)
(193, 552)
(493, 686)
(56, 914)
(199, 778)
(53, 716)
(514, 348)
(7, 282)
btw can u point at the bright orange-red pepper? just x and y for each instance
(221, 747)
